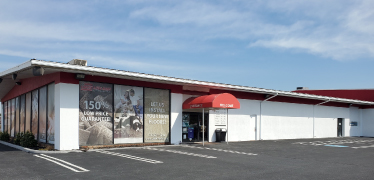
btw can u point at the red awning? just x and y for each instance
(223, 101)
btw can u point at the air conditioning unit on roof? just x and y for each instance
(79, 62)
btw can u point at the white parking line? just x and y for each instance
(130, 157)
(63, 163)
(181, 152)
(223, 150)
(368, 143)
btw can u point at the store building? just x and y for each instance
(71, 105)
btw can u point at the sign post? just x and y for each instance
(203, 126)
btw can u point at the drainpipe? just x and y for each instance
(313, 112)
(261, 113)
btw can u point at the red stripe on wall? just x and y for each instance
(30, 84)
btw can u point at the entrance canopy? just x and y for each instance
(222, 101)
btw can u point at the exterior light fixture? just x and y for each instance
(80, 76)
(38, 71)
(14, 76)
(18, 83)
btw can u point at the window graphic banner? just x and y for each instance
(12, 118)
(156, 120)
(28, 112)
(43, 114)
(95, 113)
(35, 113)
(6, 117)
(128, 114)
(22, 114)
(3, 116)
(51, 114)
(17, 115)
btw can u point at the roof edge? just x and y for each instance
(91, 69)
(20, 67)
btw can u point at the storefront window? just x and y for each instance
(35, 113)
(51, 114)
(12, 118)
(156, 121)
(28, 112)
(43, 114)
(128, 114)
(5, 116)
(95, 113)
(22, 114)
(17, 115)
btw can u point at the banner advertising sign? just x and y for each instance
(17, 114)
(28, 112)
(156, 120)
(95, 113)
(9, 117)
(43, 114)
(35, 113)
(51, 114)
(5, 116)
(22, 114)
(128, 114)
(12, 118)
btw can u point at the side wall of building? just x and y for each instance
(176, 118)
(368, 122)
(257, 120)
(67, 116)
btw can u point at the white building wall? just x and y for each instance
(242, 122)
(176, 118)
(354, 115)
(67, 116)
(286, 121)
(326, 121)
(281, 121)
(368, 122)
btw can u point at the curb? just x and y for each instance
(36, 151)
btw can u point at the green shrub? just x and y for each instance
(17, 139)
(5, 136)
(28, 140)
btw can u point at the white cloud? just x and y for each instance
(339, 30)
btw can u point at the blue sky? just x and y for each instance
(268, 44)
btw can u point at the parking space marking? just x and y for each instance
(181, 152)
(223, 150)
(62, 163)
(131, 157)
(371, 146)
(336, 143)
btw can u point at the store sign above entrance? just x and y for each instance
(224, 100)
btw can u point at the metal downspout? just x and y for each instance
(260, 129)
(314, 114)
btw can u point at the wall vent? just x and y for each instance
(79, 62)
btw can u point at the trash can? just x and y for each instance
(190, 133)
(223, 134)
(218, 135)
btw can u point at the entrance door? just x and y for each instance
(340, 127)
(193, 120)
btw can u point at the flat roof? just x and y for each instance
(24, 70)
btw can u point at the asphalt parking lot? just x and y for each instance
(329, 158)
